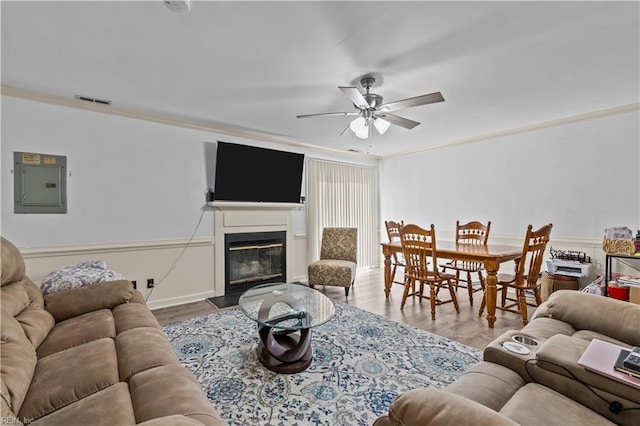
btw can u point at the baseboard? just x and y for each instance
(180, 300)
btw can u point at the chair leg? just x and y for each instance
(432, 299)
(393, 273)
(453, 296)
(408, 283)
(536, 292)
(481, 278)
(470, 288)
(522, 299)
(482, 304)
(504, 295)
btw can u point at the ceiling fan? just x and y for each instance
(371, 110)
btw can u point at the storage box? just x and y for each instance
(620, 293)
(551, 283)
(634, 295)
(618, 246)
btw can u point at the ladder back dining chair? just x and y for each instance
(419, 249)
(473, 232)
(397, 259)
(527, 274)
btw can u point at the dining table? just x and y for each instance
(490, 255)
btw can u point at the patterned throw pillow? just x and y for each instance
(74, 276)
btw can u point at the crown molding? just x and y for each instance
(593, 115)
(32, 95)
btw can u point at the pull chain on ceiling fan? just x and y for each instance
(371, 110)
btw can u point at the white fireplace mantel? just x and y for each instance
(238, 217)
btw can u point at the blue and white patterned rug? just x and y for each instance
(361, 362)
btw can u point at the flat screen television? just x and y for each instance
(254, 174)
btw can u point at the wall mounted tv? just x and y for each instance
(249, 173)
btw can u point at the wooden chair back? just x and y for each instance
(419, 250)
(473, 232)
(529, 265)
(393, 232)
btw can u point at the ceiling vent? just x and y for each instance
(182, 7)
(94, 100)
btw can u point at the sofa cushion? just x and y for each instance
(489, 384)
(570, 306)
(108, 407)
(142, 348)
(185, 397)
(65, 377)
(436, 407)
(534, 404)
(133, 315)
(81, 300)
(77, 331)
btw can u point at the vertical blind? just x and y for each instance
(343, 195)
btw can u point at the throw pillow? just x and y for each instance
(78, 275)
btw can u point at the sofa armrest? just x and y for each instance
(430, 406)
(89, 298)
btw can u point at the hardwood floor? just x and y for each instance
(368, 294)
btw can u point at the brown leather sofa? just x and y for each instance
(546, 386)
(89, 356)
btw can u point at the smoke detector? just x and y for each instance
(181, 6)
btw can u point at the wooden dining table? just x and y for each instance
(490, 255)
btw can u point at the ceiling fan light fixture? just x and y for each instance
(382, 125)
(360, 127)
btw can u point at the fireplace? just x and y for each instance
(253, 258)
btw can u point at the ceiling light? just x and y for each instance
(360, 127)
(382, 125)
(182, 6)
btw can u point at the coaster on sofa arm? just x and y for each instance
(516, 348)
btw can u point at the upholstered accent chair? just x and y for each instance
(338, 259)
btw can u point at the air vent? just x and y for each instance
(94, 100)
(182, 6)
(354, 150)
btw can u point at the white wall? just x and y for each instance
(583, 177)
(130, 182)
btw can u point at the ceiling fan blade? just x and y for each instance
(345, 129)
(355, 96)
(328, 113)
(431, 98)
(399, 121)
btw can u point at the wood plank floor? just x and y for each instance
(368, 294)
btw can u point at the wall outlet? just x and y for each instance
(135, 284)
(150, 283)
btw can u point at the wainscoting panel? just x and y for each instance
(190, 280)
(180, 275)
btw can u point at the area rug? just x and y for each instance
(361, 362)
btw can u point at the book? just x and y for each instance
(620, 366)
(629, 280)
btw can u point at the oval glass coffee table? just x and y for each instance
(285, 314)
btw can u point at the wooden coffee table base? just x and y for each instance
(283, 351)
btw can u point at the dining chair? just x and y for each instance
(475, 233)
(397, 259)
(338, 259)
(419, 249)
(527, 274)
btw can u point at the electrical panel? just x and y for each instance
(40, 183)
